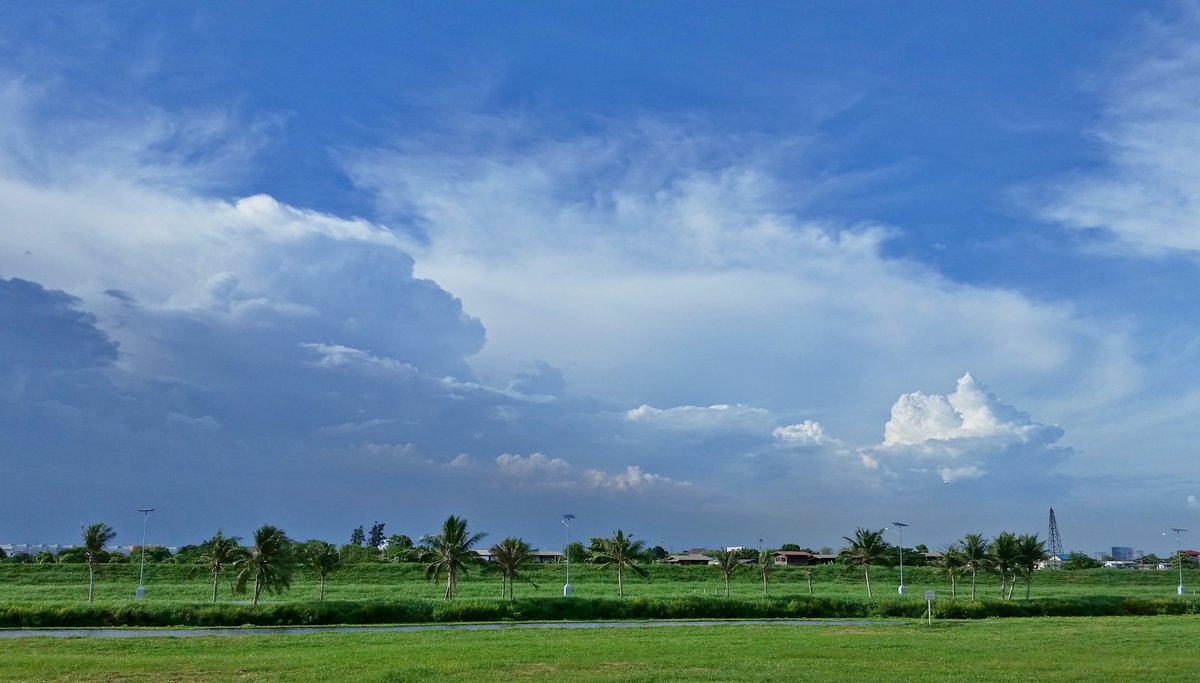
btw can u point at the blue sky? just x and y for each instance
(704, 272)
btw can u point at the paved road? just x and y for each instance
(292, 631)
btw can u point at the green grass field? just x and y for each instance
(1048, 649)
(168, 583)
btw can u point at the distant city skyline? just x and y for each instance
(706, 273)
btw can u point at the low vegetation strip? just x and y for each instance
(574, 609)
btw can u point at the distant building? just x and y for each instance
(1123, 554)
(689, 558)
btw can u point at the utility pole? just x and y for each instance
(566, 519)
(141, 589)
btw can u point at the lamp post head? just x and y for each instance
(899, 524)
(145, 511)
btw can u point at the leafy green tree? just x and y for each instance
(952, 563)
(510, 555)
(356, 554)
(576, 552)
(217, 553)
(1003, 556)
(188, 554)
(790, 547)
(1079, 560)
(323, 558)
(270, 564)
(3, 555)
(620, 551)
(656, 554)
(766, 560)
(450, 552)
(865, 549)
(1030, 551)
(95, 537)
(154, 553)
(375, 540)
(976, 556)
(358, 537)
(399, 549)
(45, 557)
(727, 563)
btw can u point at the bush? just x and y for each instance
(575, 609)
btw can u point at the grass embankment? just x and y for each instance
(169, 583)
(1151, 648)
(53, 595)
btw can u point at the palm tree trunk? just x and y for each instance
(765, 591)
(216, 578)
(620, 582)
(726, 585)
(867, 573)
(1012, 584)
(953, 591)
(1003, 576)
(257, 589)
(91, 581)
(808, 577)
(449, 583)
(1028, 584)
(972, 583)
(322, 588)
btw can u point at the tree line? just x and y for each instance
(269, 563)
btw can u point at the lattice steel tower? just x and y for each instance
(1055, 542)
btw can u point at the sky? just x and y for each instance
(714, 274)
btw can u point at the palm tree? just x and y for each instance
(450, 552)
(765, 560)
(866, 548)
(218, 552)
(975, 552)
(511, 556)
(622, 551)
(95, 537)
(270, 563)
(952, 562)
(727, 562)
(1003, 556)
(1030, 551)
(323, 558)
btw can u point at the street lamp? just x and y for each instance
(141, 589)
(566, 519)
(900, 531)
(1178, 556)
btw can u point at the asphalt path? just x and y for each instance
(133, 632)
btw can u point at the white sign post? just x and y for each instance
(929, 597)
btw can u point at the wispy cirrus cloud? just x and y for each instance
(1149, 134)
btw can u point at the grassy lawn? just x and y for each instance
(1076, 649)
(168, 583)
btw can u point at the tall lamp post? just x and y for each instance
(141, 589)
(900, 532)
(566, 519)
(1179, 556)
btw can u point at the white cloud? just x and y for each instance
(1193, 503)
(678, 269)
(968, 413)
(632, 479)
(541, 471)
(803, 433)
(967, 435)
(701, 418)
(1150, 133)
(535, 464)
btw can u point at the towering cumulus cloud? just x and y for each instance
(966, 435)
